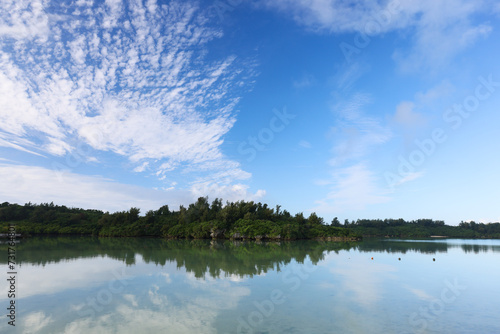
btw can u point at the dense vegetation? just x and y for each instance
(200, 220)
(239, 220)
(422, 228)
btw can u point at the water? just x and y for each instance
(89, 285)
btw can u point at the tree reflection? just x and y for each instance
(214, 258)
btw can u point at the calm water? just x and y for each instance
(88, 285)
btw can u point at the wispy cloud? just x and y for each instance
(306, 80)
(122, 77)
(305, 144)
(348, 74)
(355, 132)
(222, 185)
(20, 184)
(442, 29)
(409, 177)
(36, 321)
(24, 20)
(351, 189)
(412, 118)
(406, 115)
(352, 186)
(440, 92)
(133, 311)
(437, 29)
(332, 15)
(229, 192)
(364, 287)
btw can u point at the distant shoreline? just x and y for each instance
(231, 221)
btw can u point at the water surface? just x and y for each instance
(90, 285)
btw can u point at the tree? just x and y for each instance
(133, 214)
(215, 209)
(163, 211)
(314, 219)
(335, 222)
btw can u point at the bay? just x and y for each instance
(134, 285)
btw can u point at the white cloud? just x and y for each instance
(352, 185)
(34, 322)
(22, 184)
(144, 91)
(347, 74)
(141, 168)
(196, 315)
(407, 178)
(113, 13)
(407, 116)
(336, 15)
(434, 46)
(443, 29)
(306, 80)
(229, 192)
(179, 315)
(411, 118)
(71, 274)
(131, 298)
(352, 188)
(8, 140)
(355, 132)
(305, 144)
(363, 288)
(23, 19)
(168, 280)
(128, 312)
(420, 294)
(437, 93)
(439, 29)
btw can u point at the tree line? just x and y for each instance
(199, 220)
(422, 228)
(215, 220)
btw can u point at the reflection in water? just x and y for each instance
(199, 257)
(213, 257)
(92, 285)
(427, 246)
(479, 248)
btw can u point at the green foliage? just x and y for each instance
(200, 220)
(423, 228)
(234, 220)
(256, 229)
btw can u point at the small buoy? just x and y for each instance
(372, 258)
(433, 259)
(399, 258)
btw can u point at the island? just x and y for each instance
(241, 220)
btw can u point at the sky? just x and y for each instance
(350, 109)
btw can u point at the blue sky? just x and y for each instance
(354, 109)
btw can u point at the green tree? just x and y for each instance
(335, 222)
